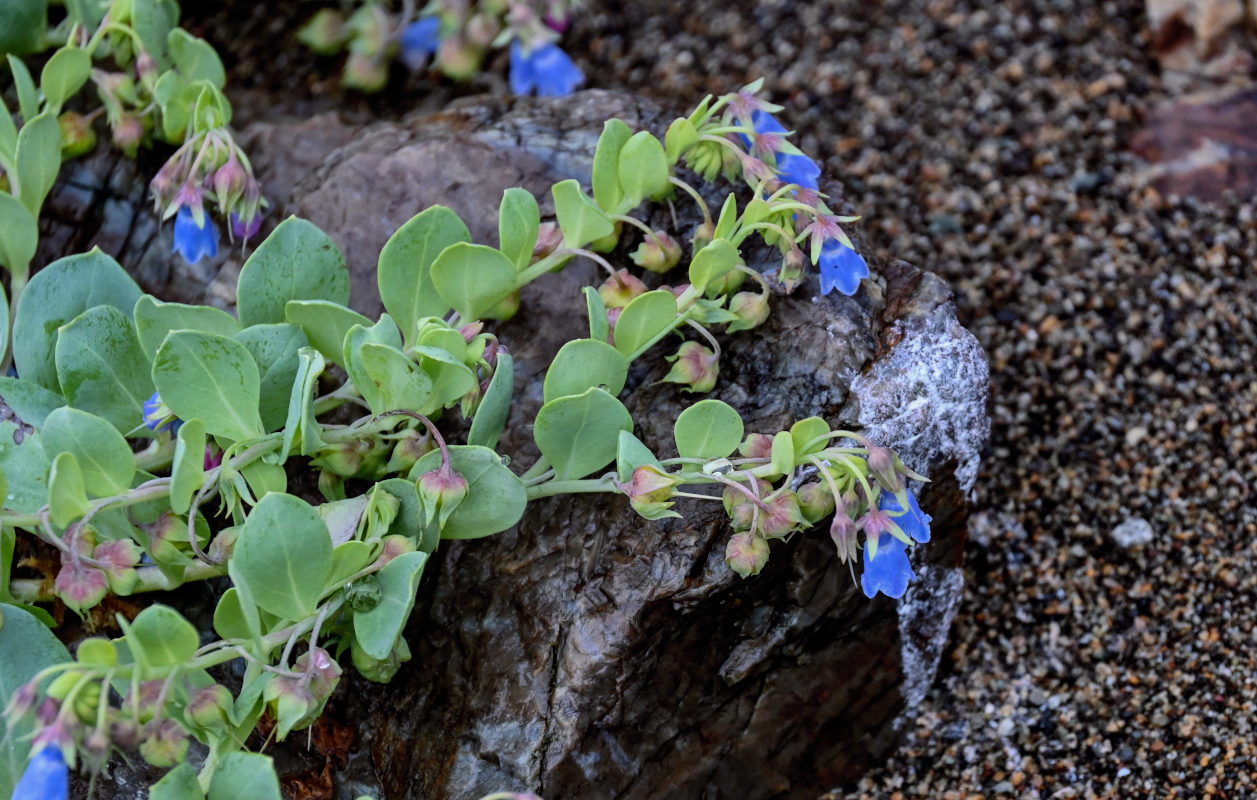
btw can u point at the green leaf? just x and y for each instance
(382, 332)
(301, 427)
(712, 263)
(495, 499)
(178, 784)
(599, 327)
(783, 453)
(29, 648)
(64, 74)
(67, 500)
(404, 276)
(245, 775)
(101, 367)
(23, 28)
(104, 456)
(25, 466)
(195, 58)
(709, 429)
(38, 160)
(230, 621)
(451, 378)
(607, 180)
(296, 262)
(210, 377)
(57, 294)
(436, 334)
(495, 406)
(519, 222)
(8, 130)
(153, 20)
(472, 278)
(187, 471)
(284, 556)
(582, 364)
(325, 324)
(348, 559)
(580, 434)
(31, 402)
(644, 321)
(19, 234)
(154, 319)
(409, 520)
(173, 94)
(376, 630)
(630, 454)
(27, 94)
(392, 381)
(87, 13)
(681, 136)
(274, 350)
(580, 218)
(809, 436)
(643, 169)
(160, 637)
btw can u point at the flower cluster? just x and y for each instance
(208, 167)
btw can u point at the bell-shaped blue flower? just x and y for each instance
(798, 169)
(547, 70)
(420, 40)
(158, 416)
(889, 571)
(46, 778)
(841, 268)
(193, 241)
(915, 523)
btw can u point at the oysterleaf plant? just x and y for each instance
(150, 445)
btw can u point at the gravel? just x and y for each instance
(987, 142)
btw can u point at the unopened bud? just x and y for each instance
(209, 707)
(325, 33)
(442, 490)
(380, 670)
(364, 72)
(229, 181)
(620, 289)
(658, 253)
(549, 239)
(791, 273)
(746, 553)
(505, 308)
(816, 501)
(482, 29)
(650, 492)
(165, 746)
(409, 448)
(757, 445)
(751, 309)
(695, 366)
(782, 515)
(394, 546)
(77, 136)
(128, 134)
(458, 57)
(119, 558)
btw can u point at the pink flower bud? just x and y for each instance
(751, 309)
(695, 366)
(618, 291)
(442, 490)
(77, 136)
(209, 707)
(549, 238)
(120, 558)
(783, 515)
(757, 445)
(658, 253)
(746, 553)
(816, 501)
(128, 134)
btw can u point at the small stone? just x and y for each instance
(1134, 532)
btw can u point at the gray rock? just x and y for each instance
(1132, 532)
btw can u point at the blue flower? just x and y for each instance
(193, 241)
(794, 168)
(915, 523)
(46, 777)
(158, 416)
(841, 268)
(889, 571)
(420, 40)
(547, 69)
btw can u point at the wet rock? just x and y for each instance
(586, 652)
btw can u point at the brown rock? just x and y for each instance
(1203, 145)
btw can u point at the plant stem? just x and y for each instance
(584, 486)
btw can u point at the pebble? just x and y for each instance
(1132, 533)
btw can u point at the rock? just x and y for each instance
(587, 652)
(1197, 40)
(1203, 145)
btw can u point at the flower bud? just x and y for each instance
(323, 671)
(325, 33)
(125, 734)
(120, 557)
(143, 705)
(292, 703)
(146, 69)
(619, 290)
(79, 586)
(751, 309)
(549, 239)
(482, 29)
(740, 508)
(394, 546)
(458, 57)
(344, 458)
(657, 253)
(746, 553)
(757, 445)
(128, 133)
(441, 491)
(782, 516)
(166, 535)
(816, 501)
(882, 463)
(650, 491)
(77, 136)
(366, 73)
(229, 181)
(409, 448)
(791, 272)
(166, 745)
(843, 531)
(695, 366)
(209, 708)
